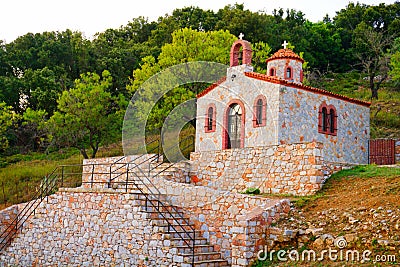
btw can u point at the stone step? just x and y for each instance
(179, 242)
(211, 263)
(201, 256)
(174, 221)
(156, 206)
(175, 233)
(165, 227)
(165, 214)
(197, 249)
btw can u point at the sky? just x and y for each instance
(18, 17)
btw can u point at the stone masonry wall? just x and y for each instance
(7, 217)
(397, 151)
(234, 223)
(298, 122)
(84, 227)
(284, 169)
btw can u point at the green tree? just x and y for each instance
(7, 118)
(187, 45)
(120, 51)
(191, 17)
(395, 62)
(261, 51)
(371, 52)
(31, 133)
(42, 89)
(88, 116)
(191, 45)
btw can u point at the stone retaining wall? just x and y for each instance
(84, 227)
(7, 219)
(234, 223)
(397, 151)
(295, 169)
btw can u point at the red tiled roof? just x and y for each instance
(211, 87)
(274, 79)
(285, 53)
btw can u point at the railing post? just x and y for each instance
(127, 178)
(194, 245)
(16, 190)
(91, 182)
(4, 194)
(62, 176)
(109, 180)
(47, 188)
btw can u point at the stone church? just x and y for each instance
(247, 109)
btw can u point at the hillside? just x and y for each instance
(360, 205)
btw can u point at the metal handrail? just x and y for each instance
(192, 229)
(126, 163)
(53, 179)
(138, 149)
(29, 208)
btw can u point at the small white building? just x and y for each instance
(247, 109)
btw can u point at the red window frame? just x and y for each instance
(291, 73)
(263, 121)
(327, 119)
(272, 72)
(210, 119)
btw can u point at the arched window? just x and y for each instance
(234, 121)
(301, 76)
(324, 119)
(272, 72)
(332, 120)
(288, 74)
(259, 118)
(327, 119)
(210, 119)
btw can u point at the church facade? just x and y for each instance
(247, 109)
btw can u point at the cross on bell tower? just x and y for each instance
(241, 35)
(285, 44)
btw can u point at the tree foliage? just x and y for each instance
(7, 118)
(371, 51)
(87, 115)
(395, 62)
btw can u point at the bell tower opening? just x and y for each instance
(241, 52)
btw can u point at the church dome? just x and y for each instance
(286, 64)
(285, 54)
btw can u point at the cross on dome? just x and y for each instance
(285, 44)
(241, 35)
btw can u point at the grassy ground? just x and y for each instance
(369, 195)
(21, 175)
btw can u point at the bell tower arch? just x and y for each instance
(241, 49)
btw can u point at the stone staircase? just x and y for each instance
(177, 228)
(171, 220)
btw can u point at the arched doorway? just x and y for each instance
(234, 125)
